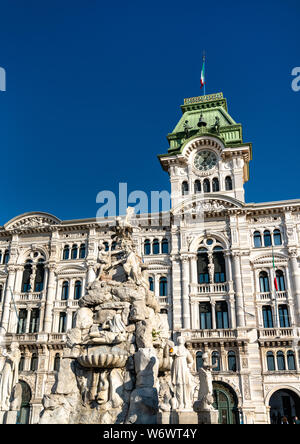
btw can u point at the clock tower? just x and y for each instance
(206, 151)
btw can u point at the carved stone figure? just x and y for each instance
(205, 397)
(186, 129)
(104, 262)
(9, 375)
(181, 375)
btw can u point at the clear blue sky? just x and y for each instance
(94, 87)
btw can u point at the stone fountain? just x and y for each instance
(120, 345)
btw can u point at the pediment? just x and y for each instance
(267, 259)
(72, 269)
(32, 221)
(212, 204)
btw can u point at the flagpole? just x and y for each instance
(204, 72)
(275, 290)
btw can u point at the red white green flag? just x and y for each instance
(202, 80)
(274, 271)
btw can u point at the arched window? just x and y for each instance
(0, 256)
(267, 316)
(264, 282)
(205, 316)
(65, 291)
(106, 246)
(66, 252)
(163, 286)
(77, 290)
(6, 257)
(221, 314)
(291, 360)
(216, 361)
(270, 361)
(147, 249)
(39, 276)
(34, 320)
(280, 361)
(165, 246)
(82, 251)
(24, 412)
(199, 360)
(215, 184)
(22, 321)
(26, 276)
(267, 238)
(202, 266)
(62, 322)
(228, 183)
(184, 188)
(34, 362)
(283, 316)
(280, 280)
(155, 246)
(231, 358)
(113, 245)
(151, 283)
(206, 186)
(257, 239)
(277, 237)
(22, 363)
(74, 252)
(197, 186)
(219, 265)
(1, 293)
(56, 362)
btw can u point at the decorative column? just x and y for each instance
(18, 280)
(213, 315)
(7, 298)
(156, 286)
(50, 296)
(228, 268)
(29, 309)
(238, 290)
(194, 278)
(296, 279)
(185, 291)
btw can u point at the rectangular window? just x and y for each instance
(283, 316)
(267, 317)
(34, 321)
(205, 316)
(22, 321)
(62, 322)
(221, 315)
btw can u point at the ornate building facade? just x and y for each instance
(230, 283)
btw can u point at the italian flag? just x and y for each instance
(202, 80)
(274, 271)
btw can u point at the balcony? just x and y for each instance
(213, 334)
(163, 300)
(66, 303)
(37, 337)
(24, 297)
(212, 288)
(268, 296)
(277, 333)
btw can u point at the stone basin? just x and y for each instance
(103, 360)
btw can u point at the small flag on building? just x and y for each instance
(274, 271)
(202, 80)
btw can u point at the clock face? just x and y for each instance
(205, 160)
